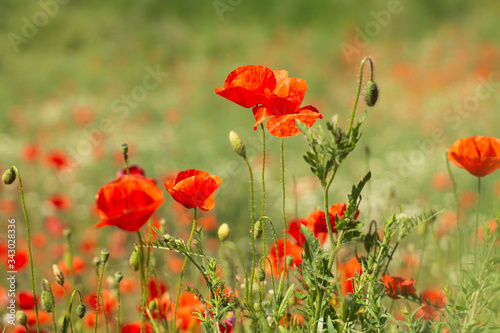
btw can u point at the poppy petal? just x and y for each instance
(285, 126)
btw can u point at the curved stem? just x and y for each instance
(29, 243)
(359, 91)
(183, 269)
(99, 288)
(252, 227)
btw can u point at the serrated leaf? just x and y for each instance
(65, 325)
(284, 302)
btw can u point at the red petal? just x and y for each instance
(285, 126)
(261, 113)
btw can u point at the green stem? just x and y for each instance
(142, 280)
(29, 244)
(477, 214)
(151, 319)
(99, 289)
(69, 308)
(252, 227)
(53, 305)
(359, 91)
(459, 224)
(119, 307)
(264, 249)
(327, 216)
(183, 269)
(283, 194)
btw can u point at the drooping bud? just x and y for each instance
(370, 93)
(21, 318)
(9, 176)
(104, 255)
(47, 301)
(118, 277)
(224, 232)
(261, 275)
(258, 229)
(237, 144)
(58, 274)
(80, 310)
(134, 260)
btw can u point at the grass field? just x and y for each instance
(81, 78)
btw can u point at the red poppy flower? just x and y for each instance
(26, 300)
(294, 230)
(395, 285)
(292, 250)
(188, 305)
(135, 327)
(132, 170)
(317, 221)
(194, 188)
(58, 160)
(348, 272)
(128, 202)
(433, 297)
(480, 155)
(60, 201)
(272, 94)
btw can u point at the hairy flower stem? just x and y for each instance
(477, 215)
(118, 313)
(263, 194)
(359, 91)
(70, 259)
(142, 279)
(457, 203)
(184, 268)
(284, 214)
(69, 308)
(29, 243)
(99, 290)
(252, 228)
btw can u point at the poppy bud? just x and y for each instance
(258, 229)
(124, 148)
(153, 305)
(47, 301)
(9, 176)
(96, 261)
(118, 277)
(104, 255)
(58, 274)
(224, 232)
(134, 260)
(371, 93)
(237, 144)
(261, 275)
(67, 233)
(80, 310)
(21, 318)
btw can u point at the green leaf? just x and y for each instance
(284, 302)
(65, 324)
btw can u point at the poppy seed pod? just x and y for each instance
(124, 148)
(9, 176)
(58, 274)
(224, 232)
(21, 318)
(104, 255)
(118, 277)
(80, 310)
(371, 93)
(237, 144)
(134, 260)
(258, 229)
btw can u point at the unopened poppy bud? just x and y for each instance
(9, 176)
(118, 277)
(96, 261)
(47, 301)
(258, 229)
(124, 148)
(80, 310)
(104, 255)
(371, 93)
(153, 305)
(134, 260)
(223, 232)
(58, 274)
(261, 275)
(237, 144)
(21, 318)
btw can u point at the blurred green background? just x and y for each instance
(60, 80)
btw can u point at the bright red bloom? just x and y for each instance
(433, 297)
(294, 230)
(395, 286)
(292, 250)
(348, 271)
(188, 304)
(317, 221)
(26, 300)
(194, 188)
(128, 202)
(480, 155)
(272, 94)
(135, 327)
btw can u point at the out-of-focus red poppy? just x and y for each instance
(78, 266)
(467, 199)
(26, 301)
(135, 327)
(133, 170)
(188, 304)
(82, 115)
(8, 206)
(21, 261)
(294, 230)
(208, 222)
(60, 201)
(348, 271)
(55, 226)
(43, 317)
(272, 94)
(395, 286)
(292, 250)
(441, 181)
(492, 226)
(30, 152)
(57, 159)
(108, 299)
(194, 188)
(58, 290)
(128, 202)
(480, 155)
(433, 297)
